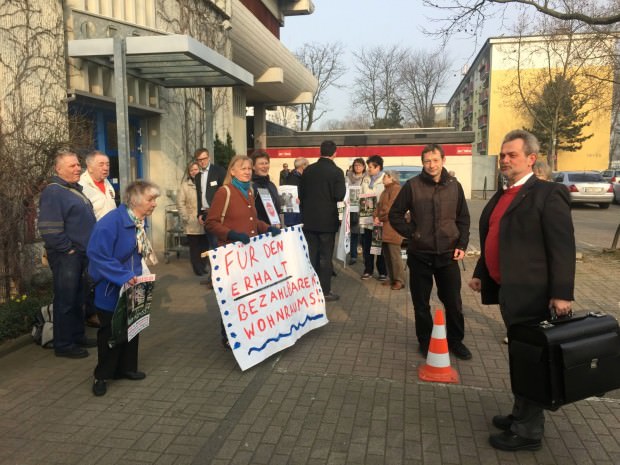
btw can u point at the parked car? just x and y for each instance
(586, 187)
(404, 172)
(611, 175)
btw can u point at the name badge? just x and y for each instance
(213, 183)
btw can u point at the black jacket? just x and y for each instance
(322, 187)
(536, 249)
(215, 179)
(439, 215)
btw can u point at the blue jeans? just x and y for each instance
(69, 272)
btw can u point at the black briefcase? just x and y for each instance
(556, 362)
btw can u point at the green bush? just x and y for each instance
(17, 315)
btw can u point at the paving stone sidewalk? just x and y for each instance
(347, 393)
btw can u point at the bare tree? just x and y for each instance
(422, 75)
(580, 65)
(351, 121)
(285, 115)
(325, 61)
(377, 81)
(470, 15)
(33, 126)
(202, 21)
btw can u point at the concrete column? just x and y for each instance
(260, 127)
(209, 136)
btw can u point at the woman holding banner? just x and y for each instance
(117, 250)
(233, 217)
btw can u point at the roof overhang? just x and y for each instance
(280, 79)
(168, 60)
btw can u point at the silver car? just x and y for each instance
(404, 172)
(586, 187)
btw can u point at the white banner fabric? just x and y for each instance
(268, 293)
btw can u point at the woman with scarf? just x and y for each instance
(263, 187)
(354, 178)
(118, 251)
(233, 216)
(187, 204)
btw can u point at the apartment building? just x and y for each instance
(488, 99)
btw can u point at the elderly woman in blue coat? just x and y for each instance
(117, 252)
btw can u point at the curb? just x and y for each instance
(12, 345)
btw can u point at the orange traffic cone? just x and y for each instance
(437, 367)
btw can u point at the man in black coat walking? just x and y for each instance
(526, 265)
(322, 187)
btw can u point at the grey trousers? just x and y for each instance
(529, 419)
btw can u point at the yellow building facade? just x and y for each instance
(507, 73)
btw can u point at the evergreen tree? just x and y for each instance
(392, 121)
(559, 117)
(223, 151)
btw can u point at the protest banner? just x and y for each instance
(343, 245)
(289, 199)
(367, 204)
(354, 198)
(268, 293)
(133, 310)
(377, 240)
(270, 208)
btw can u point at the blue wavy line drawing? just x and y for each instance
(294, 327)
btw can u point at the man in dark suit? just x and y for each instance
(526, 265)
(210, 178)
(322, 187)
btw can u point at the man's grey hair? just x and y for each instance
(137, 189)
(90, 156)
(530, 142)
(300, 162)
(62, 153)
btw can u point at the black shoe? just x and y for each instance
(100, 387)
(75, 352)
(503, 422)
(460, 350)
(226, 344)
(331, 297)
(87, 342)
(132, 375)
(352, 261)
(512, 442)
(423, 349)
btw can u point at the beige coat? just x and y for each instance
(187, 203)
(390, 236)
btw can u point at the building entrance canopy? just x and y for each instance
(168, 61)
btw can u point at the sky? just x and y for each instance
(368, 23)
